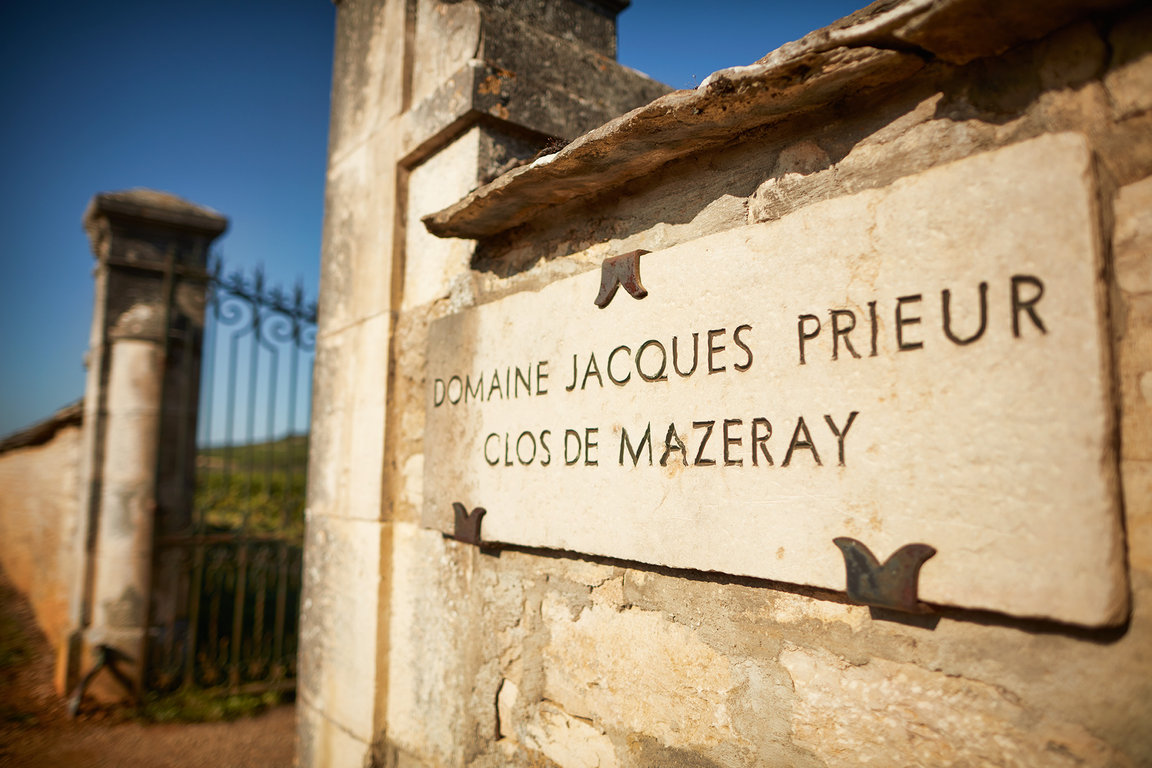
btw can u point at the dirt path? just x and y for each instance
(36, 732)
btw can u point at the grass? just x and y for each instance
(205, 706)
(257, 487)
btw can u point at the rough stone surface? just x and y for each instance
(854, 54)
(1132, 245)
(1129, 83)
(682, 122)
(432, 262)
(884, 713)
(482, 60)
(342, 582)
(686, 708)
(488, 658)
(38, 492)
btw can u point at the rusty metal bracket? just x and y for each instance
(105, 656)
(467, 526)
(894, 584)
(621, 270)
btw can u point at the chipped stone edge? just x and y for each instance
(871, 47)
(473, 216)
(672, 126)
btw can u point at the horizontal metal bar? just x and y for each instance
(225, 538)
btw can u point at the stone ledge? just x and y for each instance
(882, 44)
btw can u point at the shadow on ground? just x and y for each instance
(36, 732)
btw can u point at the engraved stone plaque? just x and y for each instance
(926, 362)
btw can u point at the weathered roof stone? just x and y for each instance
(153, 205)
(881, 44)
(43, 431)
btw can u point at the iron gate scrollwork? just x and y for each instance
(225, 608)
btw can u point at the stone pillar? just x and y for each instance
(430, 99)
(139, 416)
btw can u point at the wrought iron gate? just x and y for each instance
(227, 581)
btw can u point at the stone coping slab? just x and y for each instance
(878, 45)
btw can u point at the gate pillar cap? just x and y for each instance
(152, 207)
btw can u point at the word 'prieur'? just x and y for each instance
(1025, 292)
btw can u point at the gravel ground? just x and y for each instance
(36, 732)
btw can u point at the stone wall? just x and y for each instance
(445, 654)
(39, 477)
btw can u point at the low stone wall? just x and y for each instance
(39, 471)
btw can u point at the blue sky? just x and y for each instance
(223, 102)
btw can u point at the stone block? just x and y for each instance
(886, 713)
(367, 73)
(38, 518)
(447, 36)
(568, 741)
(956, 396)
(1134, 351)
(590, 24)
(348, 423)
(1129, 81)
(669, 684)
(432, 263)
(1137, 478)
(340, 671)
(322, 742)
(1132, 237)
(358, 235)
(430, 643)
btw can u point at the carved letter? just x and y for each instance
(526, 378)
(713, 349)
(569, 460)
(747, 350)
(613, 379)
(547, 451)
(729, 462)
(495, 385)
(541, 374)
(840, 434)
(663, 361)
(572, 386)
(837, 332)
(645, 441)
(946, 301)
(672, 442)
(1028, 305)
(707, 425)
(758, 441)
(695, 355)
(592, 369)
(589, 445)
(798, 443)
(804, 335)
(520, 440)
(902, 321)
(478, 392)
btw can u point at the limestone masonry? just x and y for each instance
(889, 287)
